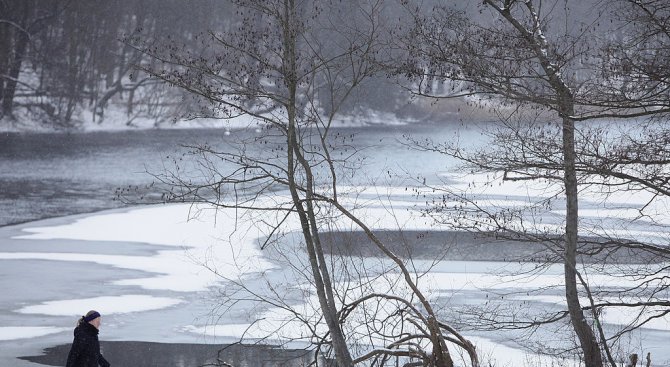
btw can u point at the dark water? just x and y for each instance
(466, 246)
(147, 354)
(48, 175)
(57, 174)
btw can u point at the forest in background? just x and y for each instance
(64, 63)
(59, 58)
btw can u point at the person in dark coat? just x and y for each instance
(85, 351)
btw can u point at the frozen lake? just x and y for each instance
(46, 175)
(142, 267)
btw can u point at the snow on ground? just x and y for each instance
(116, 118)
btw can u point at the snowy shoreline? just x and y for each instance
(116, 122)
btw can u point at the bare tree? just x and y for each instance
(291, 66)
(542, 72)
(19, 22)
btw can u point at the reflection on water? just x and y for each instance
(146, 354)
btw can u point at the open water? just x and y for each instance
(46, 175)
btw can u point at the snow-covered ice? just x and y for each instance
(25, 332)
(198, 242)
(212, 247)
(106, 305)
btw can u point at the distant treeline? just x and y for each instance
(62, 62)
(57, 57)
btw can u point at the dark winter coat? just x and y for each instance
(85, 351)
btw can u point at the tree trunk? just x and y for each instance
(307, 218)
(4, 58)
(319, 268)
(14, 71)
(566, 108)
(20, 46)
(587, 339)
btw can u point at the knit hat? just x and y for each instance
(91, 316)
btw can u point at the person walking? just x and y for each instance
(85, 351)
